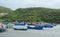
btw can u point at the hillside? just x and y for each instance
(34, 14)
(4, 11)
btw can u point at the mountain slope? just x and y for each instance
(4, 11)
(34, 14)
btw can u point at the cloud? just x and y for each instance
(13, 4)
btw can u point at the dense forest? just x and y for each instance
(31, 14)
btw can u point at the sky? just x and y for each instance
(14, 4)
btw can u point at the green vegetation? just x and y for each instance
(33, 14)
(4, 11)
